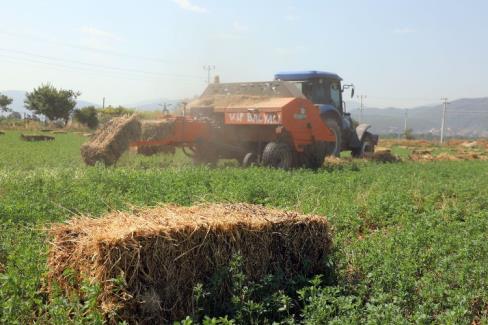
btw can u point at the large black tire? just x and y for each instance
(315, 155)
(367, 147)
(205, 154)
(278, 155)
(334, 148)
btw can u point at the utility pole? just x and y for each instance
(103, 102)
(361, 97)
(443, 123)
(405, 124)
(208, 68)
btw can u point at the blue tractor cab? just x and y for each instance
(325, 91)
(320, 87)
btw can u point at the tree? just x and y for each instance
(55, 104)
(87, 116)
(15, 116)
(5, 101)
(408, 134)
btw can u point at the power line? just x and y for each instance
(208, 68)
(84, 48)
(361, 97)
(50, 58)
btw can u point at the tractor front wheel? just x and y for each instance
(278, 155)
(366, 149)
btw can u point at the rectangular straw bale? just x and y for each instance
(111, 140)
(156, 130)
(163, 252)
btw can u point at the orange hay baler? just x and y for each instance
(260, 123)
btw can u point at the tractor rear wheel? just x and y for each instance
(278, 155)
(334, 148)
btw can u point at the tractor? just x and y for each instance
(295, 120)
(325, 91)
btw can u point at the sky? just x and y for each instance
(397, 53)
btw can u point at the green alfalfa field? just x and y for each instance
(410, 238)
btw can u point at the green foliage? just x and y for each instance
(87, 116)
(5, 101)
(15, 116)
(408, 134)
(55, 104)
(409, 239)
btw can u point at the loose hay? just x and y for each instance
(111, 141)
(162, 253)
(224, 101)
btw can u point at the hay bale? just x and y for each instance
(2, 133)
(382, 155)
(445, 156)
(421, 157)
(467, 144)
(155, 130)
(162, 253)
(111, 141)
(36, 138)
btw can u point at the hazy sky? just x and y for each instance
(399, 53)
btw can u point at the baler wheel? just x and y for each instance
(250, 159)
(278, 155)
(314, 156)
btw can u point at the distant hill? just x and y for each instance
(465, 117)
(18, 97)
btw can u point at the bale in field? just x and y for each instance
(155, 130)
(2, 133)
(163, 253)
(111, 141)
(384, 155)
(34, 138)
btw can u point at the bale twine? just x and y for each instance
(162, 253)
(111, 141)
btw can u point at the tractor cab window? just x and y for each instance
(315, 90)
(321, 91)
(335, 94)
